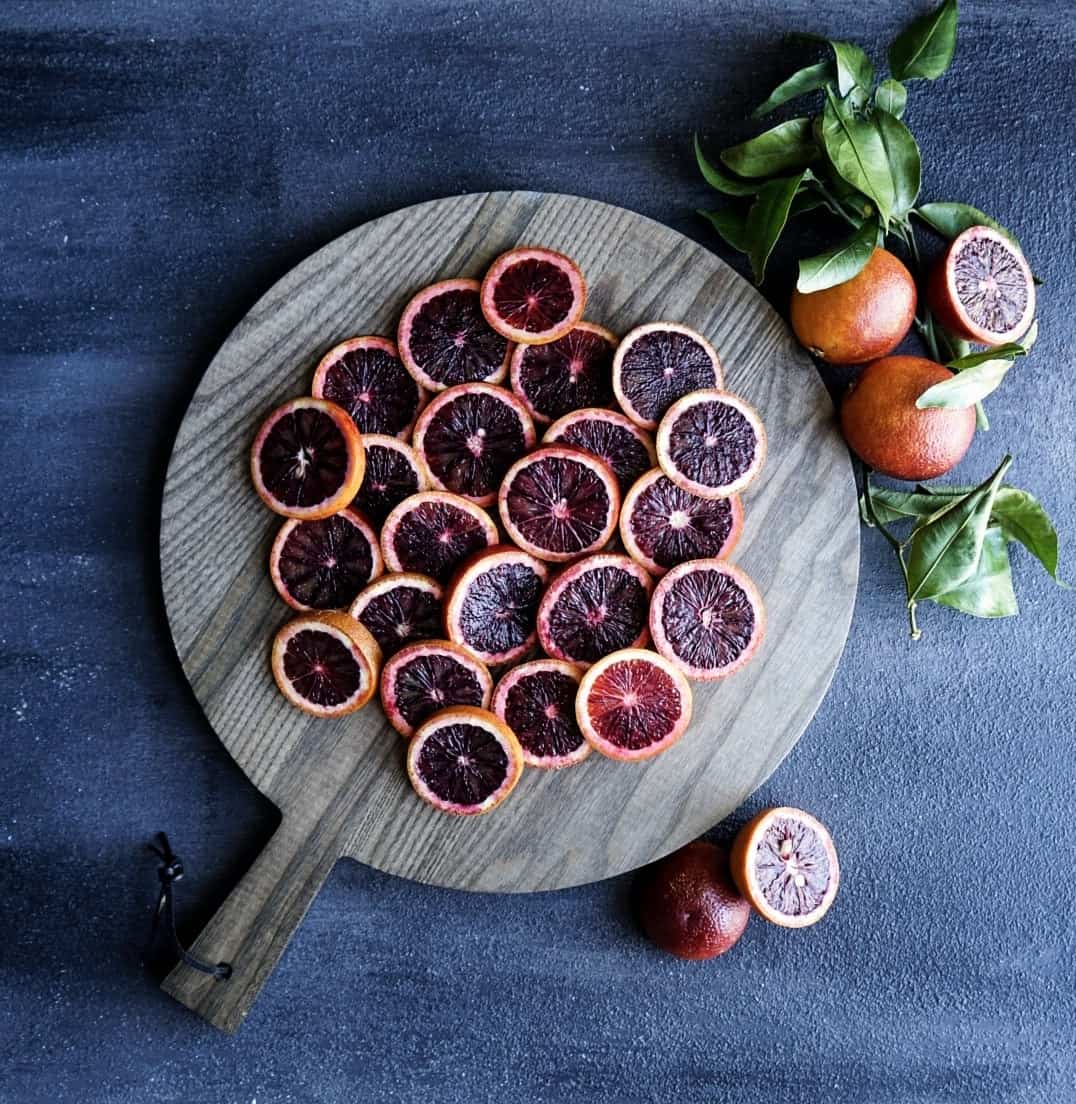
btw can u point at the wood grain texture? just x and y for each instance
(340, 784)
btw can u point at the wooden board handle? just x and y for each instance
(253, 926)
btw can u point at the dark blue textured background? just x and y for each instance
(160, 166)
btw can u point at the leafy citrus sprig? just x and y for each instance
(858, 160)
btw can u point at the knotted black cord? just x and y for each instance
(169, 873)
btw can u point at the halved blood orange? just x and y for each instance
(537, 702)
(325, 664)
(429, 675)
(784, 862)
(711, 443)
(492, 603)
(307, 460)
(633, 705)
(707, 617)
(599, 605)
(572, 372)
(393, 473)
(533, 296)
(609, 435)
(658, 363)
(559, 503)
(324, 564)
(982, 289)
(444, 339)
(366, 377)
(464, 761)
(663, 525)
(469, 436)
(432, 532)
(400, 608)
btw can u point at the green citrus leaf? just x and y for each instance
(808, 79)
(965, 389)
(1023, 519)
(891, 507)
(805, 201)
(767, 218)
(951, 219)
(902, 154)
(854, 68)
(891, 96)
(856, 150)
(786, 146)
(731, 225)
(944, 549)
(840, 263)
(988, 592)
(925, 48)
(717, 179)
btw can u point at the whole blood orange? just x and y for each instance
(862, 319)
(688, 904)
(883, 426)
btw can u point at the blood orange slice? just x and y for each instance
(633, 705)
(444, 339)
(493, 602)
(537, 702)
(607, 434)
(982, 289)
(707, 617)
(400, 608)
(429, 675)
(325, 664)
(432, 532)
(367, 378)
(559, 503)
(469, 436)
(324, 564)
(784, 862)
(572, 372)
(663, 525)
(393, 473)
(597, 606)
(533, 296)
(656, 364)
(464, 761)
(307, 460)
(711, 443)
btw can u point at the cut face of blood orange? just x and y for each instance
(707, 617)
(464, 761)
(307, 460)
(367, 378)
(492, 603)
(469, 436)
(430, 675)
(537, 702)
(597, 606)
(572, 372)
(609, 435)
(663, 525)
(444, 339)
(559, 503)
(658, 363)
(325, 664)
(711, 443)
(982, 289)
(432, 532)
(400, 608)
(784, 862)
(324, 564)
(633, 705)
(533, 296)
(392, 474)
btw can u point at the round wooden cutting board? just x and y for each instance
(341, 785)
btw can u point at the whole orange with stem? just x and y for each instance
(862, 319)
(884, 427)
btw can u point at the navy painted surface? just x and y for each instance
(160, 167)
